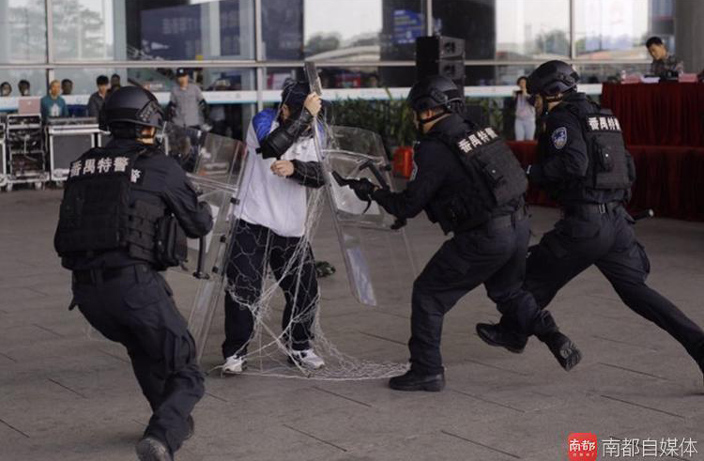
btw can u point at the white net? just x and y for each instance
(265, 277)
(273, 306)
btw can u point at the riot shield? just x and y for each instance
(214, 164)
(366, 230)
(363, 229)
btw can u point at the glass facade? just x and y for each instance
(608, 30)
(22, 31)
(525, 31)
(95, 30)
(241, 51)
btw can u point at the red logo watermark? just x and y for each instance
(582, 446)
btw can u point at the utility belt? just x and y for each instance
(498, 222)
(97, 277)
(590, 209)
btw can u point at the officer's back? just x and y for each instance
(116, 231)
(158, 187)
(433, 154)
(566, 155)
(446, 180)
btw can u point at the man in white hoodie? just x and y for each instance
(270, 231)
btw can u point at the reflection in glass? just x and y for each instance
(83, 30)
(23, 31)
(344, 77)
(612, 30)
(152, 29)
(601, 73)
(530, 29)
(357, 30)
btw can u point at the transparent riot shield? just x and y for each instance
(214, 164)
(365, 230)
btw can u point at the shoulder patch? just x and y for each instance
(559, 137)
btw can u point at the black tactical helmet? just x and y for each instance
(552, 79)
(131, 105)
(435, 91)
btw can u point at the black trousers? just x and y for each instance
(608, 241)
(495, 257)
(135, 308)
(254, 248)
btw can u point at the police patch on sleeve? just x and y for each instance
(559, 137)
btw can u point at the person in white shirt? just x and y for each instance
(270, 230)
(524, 126)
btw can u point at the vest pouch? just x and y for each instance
(604, 157)
(497, 184)
(171, 246)
(609, 167)
(504, 178)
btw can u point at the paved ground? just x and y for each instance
(67, 396)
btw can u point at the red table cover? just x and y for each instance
(670, 179)
(662, 114)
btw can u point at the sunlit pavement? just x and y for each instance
(66, 394)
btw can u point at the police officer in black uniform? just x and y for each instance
(586, 168)
(468, 181)
(116, 201)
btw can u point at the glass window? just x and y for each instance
(150, 30)
(22, 31)
(345, 77)
(365, 77)
(35, 77)
(471, 20)
(83, 80)
(350, 30)
(496, 75)
(607, 29)
(532, 29)
(600, 73)
(506, 29)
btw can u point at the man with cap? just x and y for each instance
(115, 199)
(584, 165)
(270, 229)
(468, 181)
(187, 105)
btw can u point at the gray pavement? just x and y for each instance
(66, 394)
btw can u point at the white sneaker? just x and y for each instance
(307, 359)
(234, 365)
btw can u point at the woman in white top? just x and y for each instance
(524, 126)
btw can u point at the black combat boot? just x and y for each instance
(414, 381)
(496, 335)
(564, 350)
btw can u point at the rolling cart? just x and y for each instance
(26, 157)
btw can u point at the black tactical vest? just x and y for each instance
(609, 162)
(96, 214)
(496, 177)
(611, 167)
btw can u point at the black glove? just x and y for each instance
(363, 189)
(399, 223)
